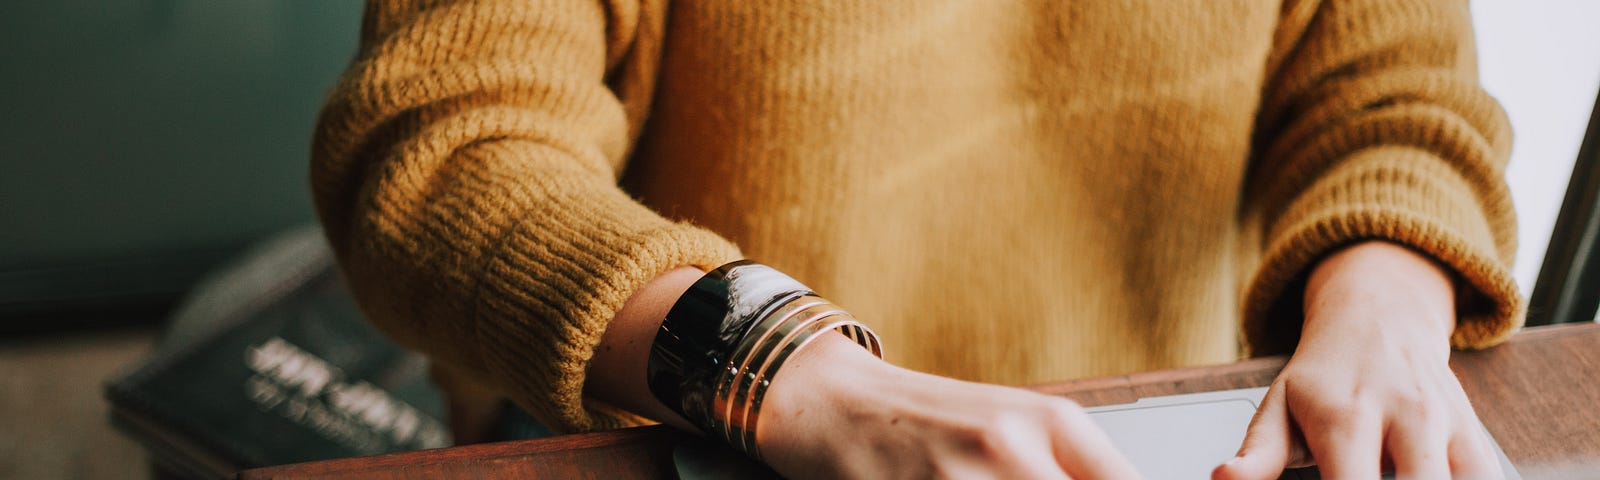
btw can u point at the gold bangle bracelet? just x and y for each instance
(739, 389)
(752, 414)
(743, 384)
(739, 360)
(783, 335)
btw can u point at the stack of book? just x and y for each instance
(270, 362)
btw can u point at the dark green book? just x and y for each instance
(270, 362)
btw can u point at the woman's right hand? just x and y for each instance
(836, 411)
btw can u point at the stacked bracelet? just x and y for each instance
(726, 338)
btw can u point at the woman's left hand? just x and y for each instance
(1369, 387)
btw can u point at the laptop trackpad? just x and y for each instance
(1182, 436)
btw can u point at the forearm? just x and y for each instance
(616, 373)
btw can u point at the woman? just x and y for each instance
(1008, 193)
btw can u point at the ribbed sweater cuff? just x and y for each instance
(1399, 194)
(556, 291)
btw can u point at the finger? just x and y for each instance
(1084, 451)
(1044, 471)
(1345, 441)
(1268, 443)
(1471, 456)
(1041, 464)
(1418, 447)
(1091, 455)
(1011, 447)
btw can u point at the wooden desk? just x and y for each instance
(1538, 394)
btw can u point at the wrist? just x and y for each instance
(1378, 289)
(828, 374)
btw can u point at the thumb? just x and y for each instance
(1268, 444)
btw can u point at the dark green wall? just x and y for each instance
(148, 139)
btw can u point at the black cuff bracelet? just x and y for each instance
(703, 328)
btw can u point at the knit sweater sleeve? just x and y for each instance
(466, 171)
(1374, 126)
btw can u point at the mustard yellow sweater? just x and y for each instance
(1007, 191)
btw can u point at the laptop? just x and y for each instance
(1171, 437)
(1186, 436)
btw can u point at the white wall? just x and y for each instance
(1541, 59)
